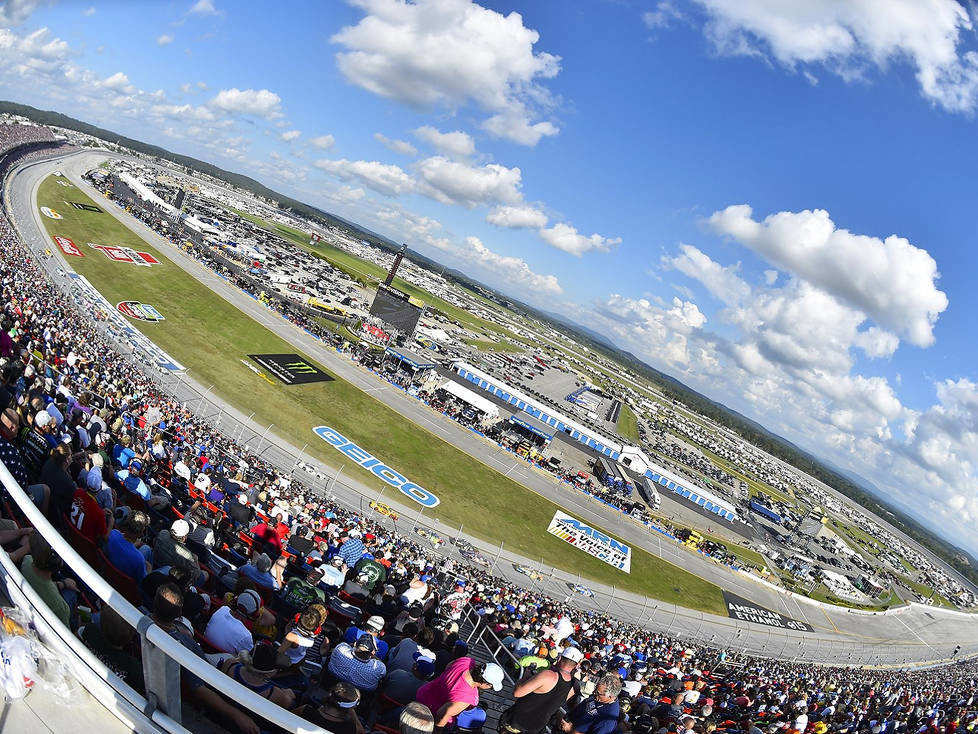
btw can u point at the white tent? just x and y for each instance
(478, 402)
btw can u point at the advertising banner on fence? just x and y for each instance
(291, 368)
(747, 611)
(88, 296)
(593, 542)
(366, 460)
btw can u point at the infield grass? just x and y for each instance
(210, 336)
(628, 424)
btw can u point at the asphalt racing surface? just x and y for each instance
(908, 635)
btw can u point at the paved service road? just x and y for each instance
(909, 634)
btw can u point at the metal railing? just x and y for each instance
(163, 657)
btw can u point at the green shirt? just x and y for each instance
(298, 594)
(46, 589)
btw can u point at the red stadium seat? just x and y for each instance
(121, 582)
(86, 548)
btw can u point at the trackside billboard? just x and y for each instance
(593, 542)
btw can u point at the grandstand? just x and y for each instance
(267, 562)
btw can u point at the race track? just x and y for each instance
(914, 634)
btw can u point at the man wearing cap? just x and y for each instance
(240, 511)
(374, 572)
(259, 571)
(599, 713)
(299, 593)
(457, 689)
(374, 625)
(226, 628)
(88, 516)
(170, 548)
(352, 549)
(38, 442)
(357, 664)
(539, 697)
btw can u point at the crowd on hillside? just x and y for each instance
(325, 611)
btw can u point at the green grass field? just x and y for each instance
(210, 336)
(628, 424)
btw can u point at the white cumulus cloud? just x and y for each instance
(289, 135)
(164, 40)
(398, 146)
(455, 182)
(324, 142)
(514, 269)
(384, 178)
(850, 36)
(891, 280)
(255, 102)
(455, 143)
(567, 238)
(517, 217)
(450, 53)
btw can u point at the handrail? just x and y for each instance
(148, 630)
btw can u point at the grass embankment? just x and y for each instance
(628, 424)
(210, 336)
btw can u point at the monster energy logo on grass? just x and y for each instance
(292, 369)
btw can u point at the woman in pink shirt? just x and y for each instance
(457, 688)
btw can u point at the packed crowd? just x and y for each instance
(325, 611)
(14, 135)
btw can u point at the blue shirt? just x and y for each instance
(353, 634)
(352, 551)
(591, 717)
(265, 580)
(125, 556)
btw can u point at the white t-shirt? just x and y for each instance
(227, 633)
(202, 482)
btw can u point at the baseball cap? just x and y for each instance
(367, 643)
(242, 499)
(376, 622)
(180, 528)
(493, 674)
(425, 666)
(249, 602)
(572, 654)
(97, 459)
(389, 589)
(43, 418)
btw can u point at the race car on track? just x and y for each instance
(583, 590)
(383, 509)
(534, 575)
(436, 540)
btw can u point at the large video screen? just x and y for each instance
(394, 307)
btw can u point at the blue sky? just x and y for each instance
(770, 202)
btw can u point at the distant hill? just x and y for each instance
(857, 488)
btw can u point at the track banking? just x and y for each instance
(366, 460)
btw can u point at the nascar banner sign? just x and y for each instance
(50, 213)
(591, 541)
(139, 311)
(67, 246)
